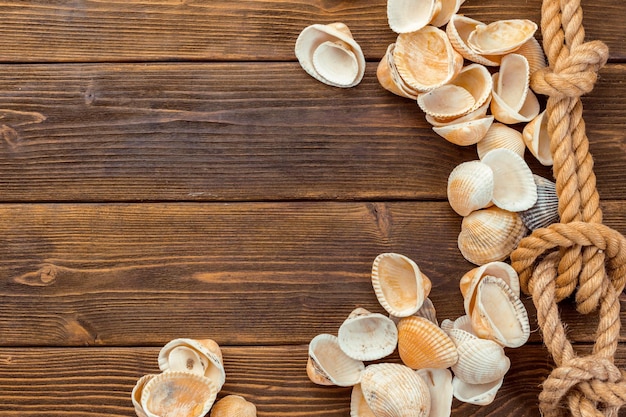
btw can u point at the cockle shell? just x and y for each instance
(537, 139)
(470, 187)
(422, 344)
(501, 136)
(367, 336)
(531, 49)
(358, 405)
(446, 102)
(439, 383)
(399, 284)
(329, 365)
(477, 114)
(469, 282)
(178, 394)
(448, 9)
(394, 390)
(505, 114)
(490, 234)
(476, 79)
(425, 58)
(458, 30)
(546, 209)
(136, 394)
(389, 77)
(330, 54)
(513, 82)
(183, 355)
(406, 16)
(480, 361)
(502, 36)
(465, 133)
(233, 406)
(477, 394)
(514, 188)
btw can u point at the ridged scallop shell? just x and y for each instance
(469, 282)
(501, 136)
(406, 16)
(481, 394)
(546, 209)
(465, 133)
(367, 336)
(422, 344)
(490, 234)
(178, 394)
(394, 390)
(480, 113)
(531, 49)
(389, 78)
(399, 284)
(470, 187)
(480, 361)
(537, 139)
(505, 114)
(425, 58)
(182, 355)
(502, 36)
(330, 54)
(136, 394)
(514, 187)
(448, 9)
(233, 406)
(498, 314)
(439, 383)
(358, 405)
(329, 365)
(446, 102)
(458, 30)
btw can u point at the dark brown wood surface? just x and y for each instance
(168, 170)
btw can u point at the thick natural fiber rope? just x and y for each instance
(592, 257)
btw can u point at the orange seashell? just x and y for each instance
(422, 344)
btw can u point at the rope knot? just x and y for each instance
(574, 75)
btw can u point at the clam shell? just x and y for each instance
(439, 383)
(389, 78)
(358, 405)
(502, 36)
(394, 390)
(448, 101)
(329, 365)
(470, 187)
(406, 16)
(476, 79)
(481, 394)
(490, 234)
(514, 187)
(460, 335)
(537, 139)
(480, 361)
(178, 394)
(513, 81)
(480, 113)
(531, 49)
(448, 9)
(469, 282)
(505, 114)
(465, 133)
(422, 344)
(501, 136)
(367, 336)
(546, 209)
(339, 62)
(458, 30)
(136, 394)
(233, 406)
(173, 357)
(425, 58)
(399, 284)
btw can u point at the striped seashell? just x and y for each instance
(422, 344)
(446, 102)
(180, 394)
(477, 114)
(470, 187)
(514, 188)
(389, 78)
(367, 336)
(537, 139)
(480, 361)
(329, 365)
(533, 52)
(501, 136)
(136, 394)
(546, 210)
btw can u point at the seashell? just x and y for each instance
(399, 284)
(502, 36)
(513, 81)
(505, 114)
(427, 311)
(476, 79)
(358, 405)
(514, 188)
(537, 139)
(136, 394)
(422, 344)
(233, 406)
(480, 361)
(469, 282)
(490, 234)
(465, 133)
(532, 51)
(178, 394)
(184, 354)
(367, 336)
(446, 102)
(425, 58)
(389, 78)
(501, 136)
(546, 209)
(394, 390)
(479, 113)
(498, 314)
(458, 30)
(329, 365)
(470, 187)
(439, 383)
(448, 8)
(481, 394)
(406, 16)
(330, 54)
(462, 335)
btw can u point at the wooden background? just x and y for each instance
(168, 170)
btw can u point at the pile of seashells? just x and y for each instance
(192, 375)
(423, 385)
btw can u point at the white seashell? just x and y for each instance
(537, 139)
(546, 209)
(469, 282)
(461, 336)
(394, 390)
(329, 365)
(513, 81)
(501, 136)
(465, 133)
(439, 383)
(233, 406)
(182, 355)
(505, 114)
(448, 9)
(406, 16)
(482, 394)
(136, 394)
(422, 344)
(446, 102)
(470, 187)
(480, 361)
(330, 54)
(458, 30)
(389, 78)
(461, 323)
(514, 188)
(501, 37)
(367, 336)
(480, 113)
(490, 234)
(476, 79)
(531, 49)
(399, 284)
(178, 394)
(358, 405)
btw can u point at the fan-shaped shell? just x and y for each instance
(182, 355)
(358, 405)
(477, 394)
(537, 139)
(394, 390)
(490, 234)
(458, 30)
(389, 78)
(367, 336)
(439, 383)
(476, 79)
(501, 136)
(481, 361)
(502, 36)
(399, 284)
(233, 406)
(406, 16)
(465, 133)
(329, 365)
(136, 394)
(178, 394)
(330, 54)
(470, 187)
(546, 209)
(422, 344)
(514, 188)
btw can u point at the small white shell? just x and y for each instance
(513, 81)
(182, 355)
(470, 187)
(458, 30)
(514, 187)
(406, 16)
(546, 209)
(482, 394)
(501, 136)
(480, 361)
(367, 336)
(502, 36)
(505, 114)
(358, 405)
(329, 365)
(178, 394)
(469, 282)
(537, 139)
(136, 394)
(465, 133)
(439, 383)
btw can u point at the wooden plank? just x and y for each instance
(244, 274)
(157, 30)
(240, 132)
